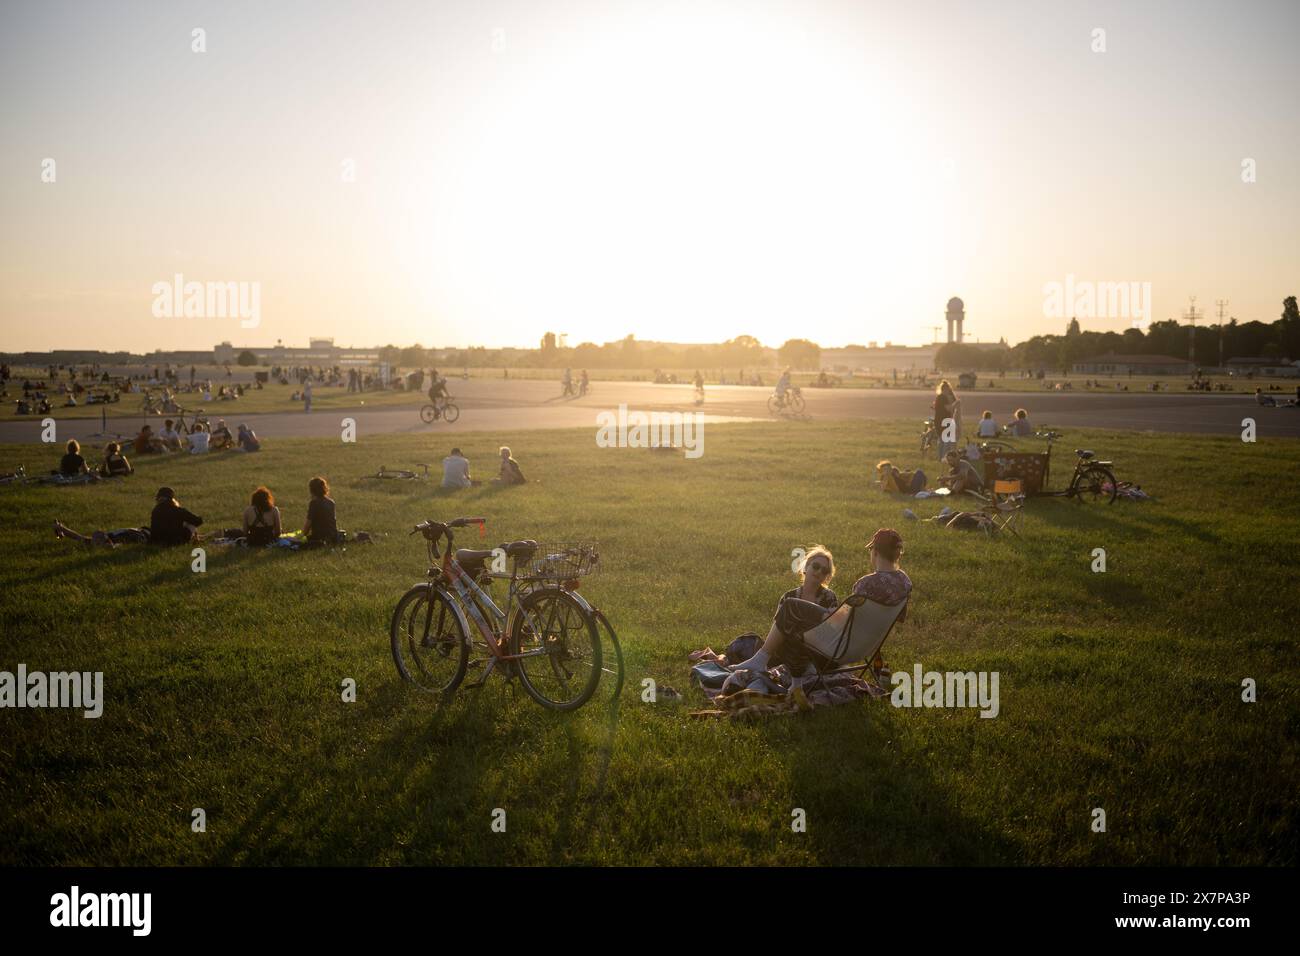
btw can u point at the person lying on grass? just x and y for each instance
(885, 584)
(168, 524)
(961, 476)
(899, 482)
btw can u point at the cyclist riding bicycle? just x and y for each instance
(783, 385)
(437, 391)
(699, 386)
(584, 383)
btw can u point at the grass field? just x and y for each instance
(272, 398)
(1119, 690)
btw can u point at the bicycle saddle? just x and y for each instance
(464, 555)
(520, 549)
(1083, 453)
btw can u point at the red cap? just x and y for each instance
(886, 538)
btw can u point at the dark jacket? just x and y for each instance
(167, 523)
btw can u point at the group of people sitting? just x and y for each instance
(172, 524)
(73, 463)
(802, 608)
(197, 440)
(455, 470)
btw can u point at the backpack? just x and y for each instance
(260, 533)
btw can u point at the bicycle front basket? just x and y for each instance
(561, 562)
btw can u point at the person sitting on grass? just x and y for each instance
(455, 470)
(147, 443)
(321, 526)
(962, 475)
(198, 440)
(988, 427)
(510, 474)
(169, 436)
(261, 519)
(1268, 401)
(72, 464)
(248, 440)
(115, 463)
(899, 482)
(170, 523)
(885, 584)
(221, 437)
(1019, 426)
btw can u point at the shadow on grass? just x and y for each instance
(899, 814)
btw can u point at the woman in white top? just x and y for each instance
(198, 440)
(988, 427)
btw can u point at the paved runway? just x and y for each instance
(498, 405)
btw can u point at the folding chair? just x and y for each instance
(1004, 508)
(854, 631)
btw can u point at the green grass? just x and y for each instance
(272, 398)
(1118, 690)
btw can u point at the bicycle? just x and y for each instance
(699, 394)
(792, 400)
(1092, 479)
(443, 408)
(546, 636)
(401, 473)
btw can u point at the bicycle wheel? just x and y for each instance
(797, 403)
(773, 404)
(560, 666)
(1095, 484)
(430, 647)
(450, 413)
(427, 414)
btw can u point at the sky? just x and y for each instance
(479, 173)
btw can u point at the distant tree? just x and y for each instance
(1073, 328)
(800, 353)
(548, 342)
(246, 358)
(412, 355)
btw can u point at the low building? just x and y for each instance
(1112, 364)
(319, 352)
(1263, 367)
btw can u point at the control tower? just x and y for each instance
(955, 315)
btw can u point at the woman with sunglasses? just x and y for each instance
(800, 609)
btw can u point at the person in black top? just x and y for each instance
(321, 526)
(170, 523)
(115, 462)
(72, 464)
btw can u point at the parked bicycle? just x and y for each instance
(1092, 480)
(546, 635)
(443, 408)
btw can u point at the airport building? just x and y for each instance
(1112, 364)
(322, 352)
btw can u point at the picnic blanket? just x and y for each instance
(747, 694)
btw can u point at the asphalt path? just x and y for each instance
(513, 405)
